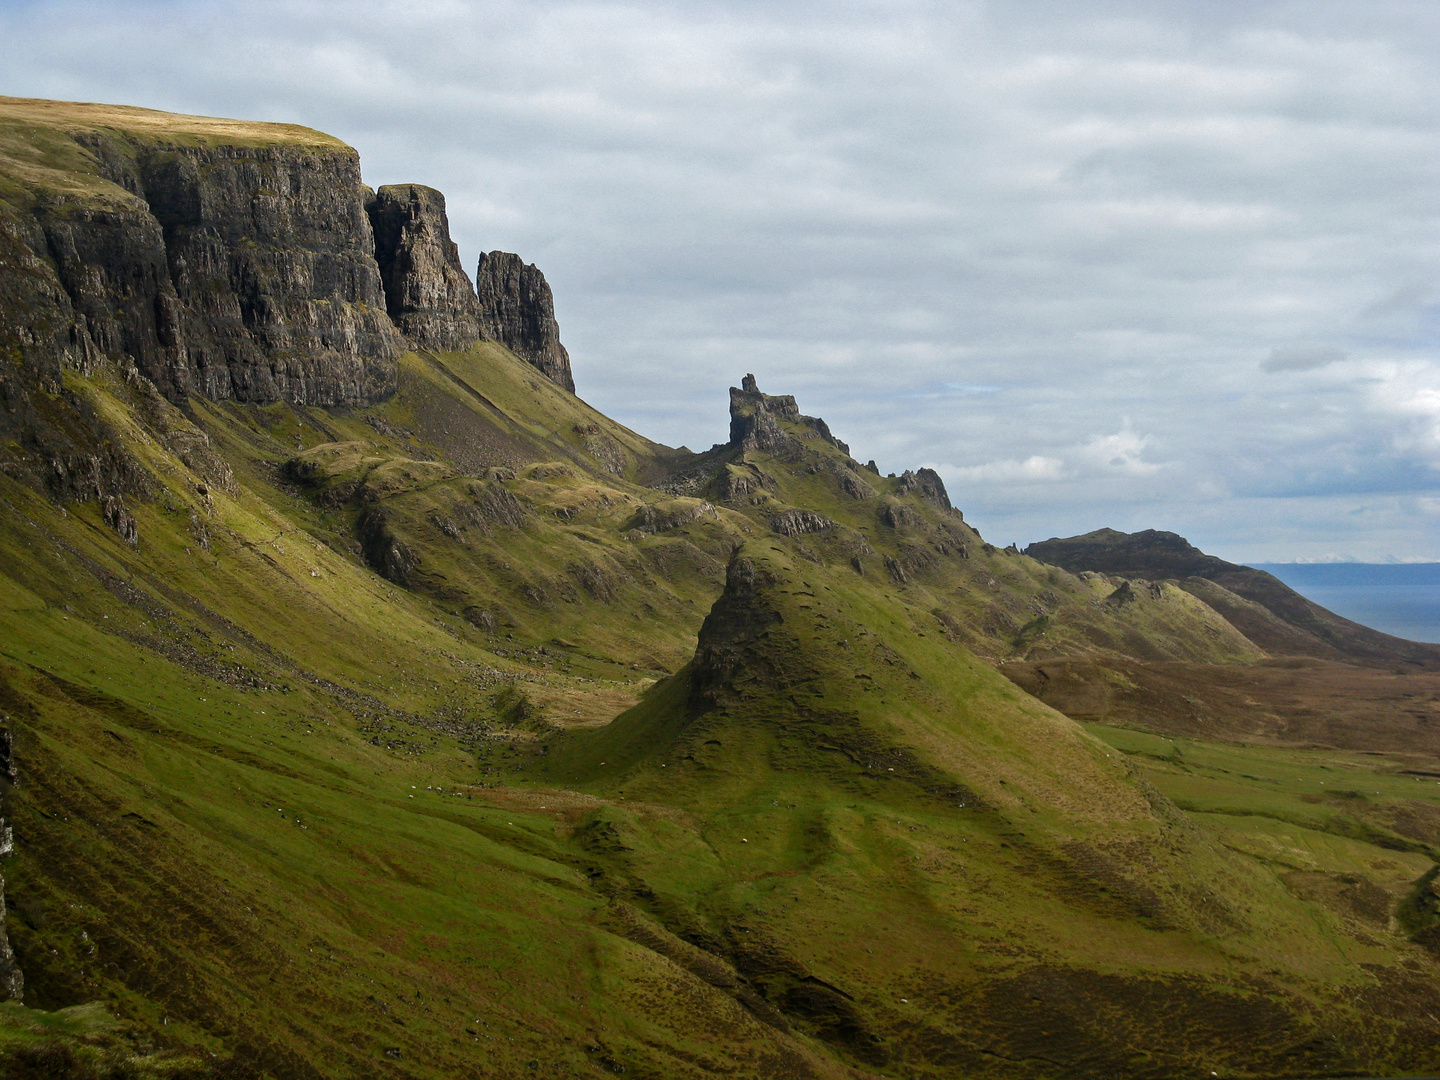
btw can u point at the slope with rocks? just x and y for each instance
(884, 842)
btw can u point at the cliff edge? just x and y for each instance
(517, 309)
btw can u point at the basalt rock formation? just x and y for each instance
(242, 262)
(755, 416)
(427, 292)
(517, 309)
(216, 261)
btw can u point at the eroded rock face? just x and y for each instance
(427, 292)
(755, 416)
(518, 310)
(928, 485)
(242, 271)
(730, 639)
(795, 522)
(272, 265)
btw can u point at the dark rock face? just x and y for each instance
(111, 264)
(928, 485)
(427, 292)
(755, 416)
(730, 640)
(241, 272)
(518, 310)
(387, 555)
(272, 260)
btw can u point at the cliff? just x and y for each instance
(518, 310)
(427, 293)
(229, 260)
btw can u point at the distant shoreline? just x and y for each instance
(1402, 599)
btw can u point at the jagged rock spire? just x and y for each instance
(427, 292)
(518, 310)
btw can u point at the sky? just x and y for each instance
(1140, 265)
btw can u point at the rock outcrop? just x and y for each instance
(229, 260)
(755, 420)
(795, 522)
(732, 639)
(927, 484)
(518, 310)
(427, 292)
(12, 980)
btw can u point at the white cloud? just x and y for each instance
(1121, 452)
(1033, 469)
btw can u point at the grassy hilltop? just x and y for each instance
(469, 733)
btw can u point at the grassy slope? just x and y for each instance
(41, 159)
(169, 703)
(1064, 918)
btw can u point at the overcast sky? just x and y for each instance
(1144, 265)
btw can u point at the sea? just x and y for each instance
(1399, 598)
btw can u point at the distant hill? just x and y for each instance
(1260, 605)
(1402, 599)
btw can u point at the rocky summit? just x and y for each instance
(371, 706)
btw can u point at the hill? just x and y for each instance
(375, 707)
(1286, 623)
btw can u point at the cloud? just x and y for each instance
(1034, 469)
(1119, 453)
(1105, 209)
(1302, 357)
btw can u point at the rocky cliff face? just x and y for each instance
(427, 293)
(733, 638)
(518, 310)
(213, 258)
(754, 420)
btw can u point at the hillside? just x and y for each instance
(1268, 611)
(373, 706)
